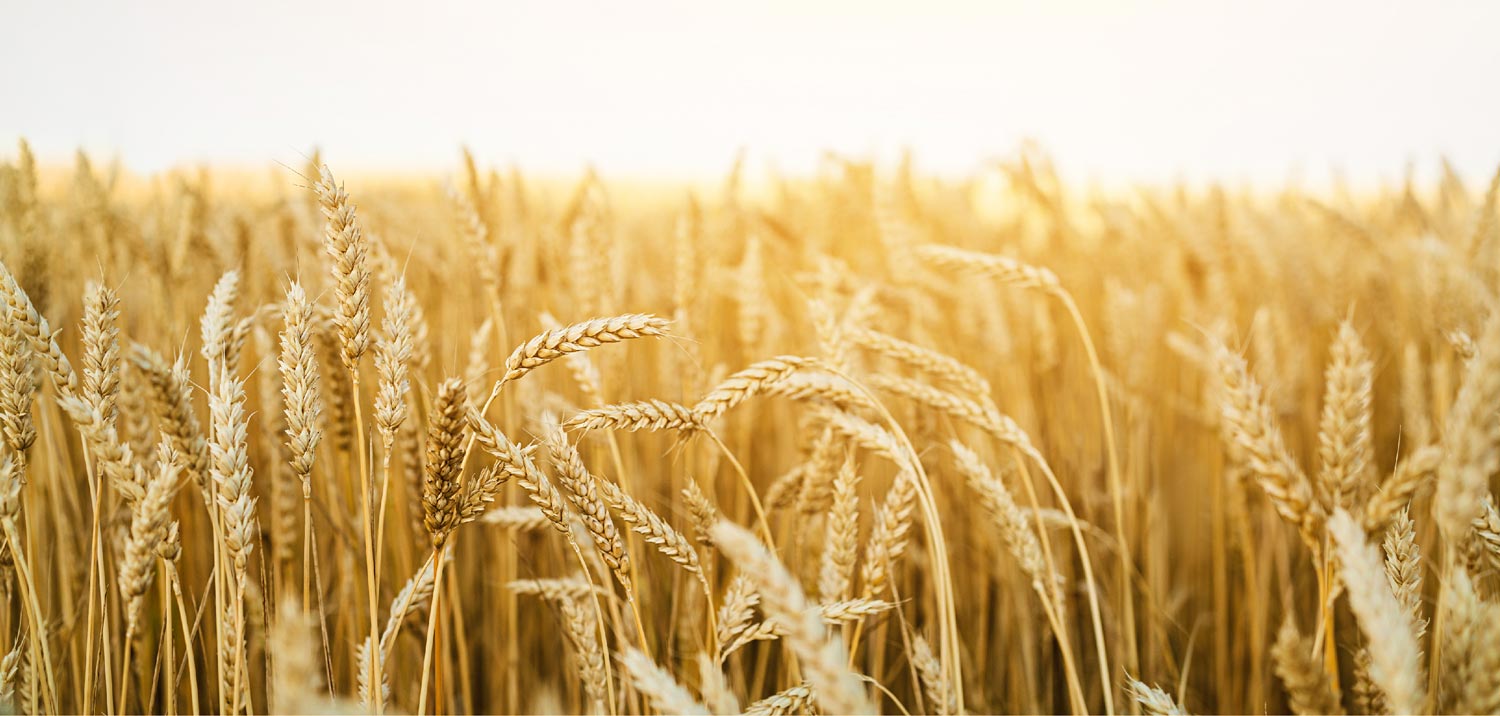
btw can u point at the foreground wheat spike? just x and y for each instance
(1344, 447)
(1019, 535)
(148, 533)
(643, 415)
(348, 250)
(556, 343)
(1307, 687)
(579, 484)
(393, 353)
(934, 685)
(1152, 700)
(890, 536)
(795, 700)
(1412, 475)
(1470, 679)
(300, 388)
(667, 696)
(822, 657)
(101, 351)
(445, 457)
(967, 380)
(18, 388)
(1394, 665)
(1471, 439)
(1403, 569)
(841, 545)
(24, 316)
(1250, 426)
(746, 383)
(217, 324)
(172, 393)
(650, 525)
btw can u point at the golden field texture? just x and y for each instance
(866, 441)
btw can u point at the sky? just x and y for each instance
(1114, 91)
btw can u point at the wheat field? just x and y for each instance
(862, 441)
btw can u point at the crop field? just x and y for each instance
(867, 440)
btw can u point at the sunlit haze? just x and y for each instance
(1116, 92)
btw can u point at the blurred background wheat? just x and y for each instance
(1196, 414)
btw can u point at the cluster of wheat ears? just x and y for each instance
(870, 442)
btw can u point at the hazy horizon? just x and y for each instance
(1115, 92)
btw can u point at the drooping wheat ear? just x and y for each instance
(1016, 529)
(101, 351)
(701, 510)
(149, 524)
(218, 325)
(1002, 268)
(827, 389)
(821, 656)
(1344, 444)
(890, 535)
(1413, 474)
(644, 415)
(445, 457)
(1391, 637)
(392, 355)
(1471, 440)
(965, 379)
(521, 519)
(750, 381)
(516, 463)
(24, 316)
(714, 688)
(297, 681)
(940, 697)
(985, 417)
(735, 609)
(651, 526)
(1482, 551)
(795, 700)
(300, 387)
(349, 251)
(584, 373)
(18, 681)
(1152, 700)
(172, 394)
(1403, 569)
(548, 346)
(578, 485)
(869, 436)
(841, 545)
(1469, 682)
(18, 388)
(1308, 690)
(557, 589)
(582, 629)
(666, 695)
(364, 671)
(412, 599)
(231, 469)
(115, 459)
(1249, 424)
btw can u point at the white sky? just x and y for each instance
(1115, 91)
